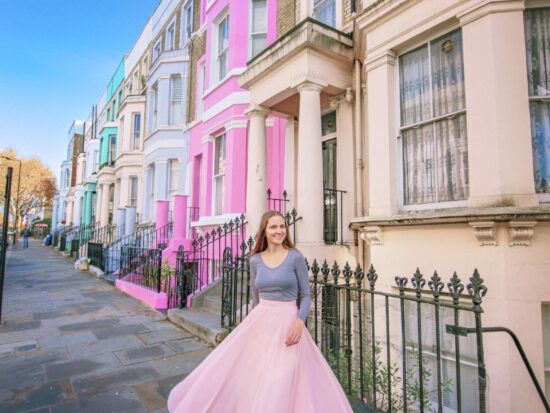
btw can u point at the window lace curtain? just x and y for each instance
(537, 39)
(435, 154)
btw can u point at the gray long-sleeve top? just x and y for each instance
(281, 283)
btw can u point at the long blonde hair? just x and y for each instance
(261, 241)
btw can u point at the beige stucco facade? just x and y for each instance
(501, 227)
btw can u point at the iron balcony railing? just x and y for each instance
(333, 217)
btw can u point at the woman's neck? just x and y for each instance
(274, 248)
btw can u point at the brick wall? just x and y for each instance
(288, 12)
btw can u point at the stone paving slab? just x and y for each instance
(71, 342)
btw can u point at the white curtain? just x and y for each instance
(435, 155)
(537, 39)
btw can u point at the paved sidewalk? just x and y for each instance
(70, 342)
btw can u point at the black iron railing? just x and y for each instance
(391, 351)
(333, 217)
(277, 204)
(143, 238)
(142, 266)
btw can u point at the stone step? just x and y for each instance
(214, 304)
(200, 322)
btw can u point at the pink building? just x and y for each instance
(234, 31)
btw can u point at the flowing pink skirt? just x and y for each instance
(253, 371)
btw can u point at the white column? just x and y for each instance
(309, 191)
(77, 210)
(161, 180)
(130, 224)
(290, 161)
(104, 205)
(120, 221)
(256, 183)
(98, 204)
(69, 218)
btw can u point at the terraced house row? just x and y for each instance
(401, 134)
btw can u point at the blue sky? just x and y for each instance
(56, 58)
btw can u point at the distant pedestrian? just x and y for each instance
(26, 233)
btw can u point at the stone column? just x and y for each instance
(69, 219)
(161, 180)
(120, 221)
(77, 211)
(180, 219)
(130, 222)
(256, 182)
(162, 214)
(98, 203)
(104, 220)
(309, 190)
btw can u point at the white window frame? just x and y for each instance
(171, 189)
(215, 212)
(157, 50)
(110, 155)
(321, 4)
(201, 88)
(215, 66)
(543, 197)
(251, 26)
(133, 144)
(399, 144)
(170, 36)
(171, 114)
(186, 24)
(132, 179)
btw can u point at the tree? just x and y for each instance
(37, 186)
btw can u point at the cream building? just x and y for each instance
(440, 118)
(128, 167)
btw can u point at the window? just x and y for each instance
(136, 127)
(154, 107)
(112, 149)
(135, 83)
(173, 179)
(219, 174)
(108, 115)
(222, 46)
(433, 122)
(258, 29)
(157, 50)
(537, 38)
(119, 98)
(187, 22)
(95, 159)
(546, 345)
(325, 11)
(132, 201)
(176, 112)
(170, 36)
(330, 196)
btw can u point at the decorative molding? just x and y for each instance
(521, 232)
(207, 139)
(388, 57)
(485, 232)
(372, 235)
(346, 96)
(257, 110)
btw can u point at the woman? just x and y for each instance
(269, 363)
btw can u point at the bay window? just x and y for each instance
(433, 122)
(537, 40)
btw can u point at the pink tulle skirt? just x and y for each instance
(253, 371)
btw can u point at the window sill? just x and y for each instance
(456, 215)
(213, 220)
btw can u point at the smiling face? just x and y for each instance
(275, 231)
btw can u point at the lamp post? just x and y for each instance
(18, 187)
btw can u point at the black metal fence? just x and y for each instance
(418, 349)
(116, 254)
(193, 215)
(333, 216)
(277, 204)
(142, 266)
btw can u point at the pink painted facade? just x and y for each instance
(220, 109)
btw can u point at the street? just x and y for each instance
(70, 342)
